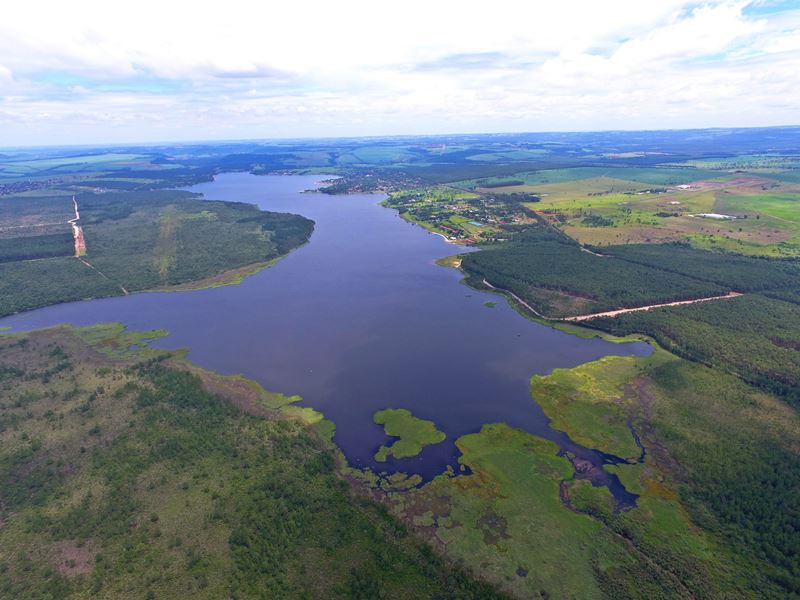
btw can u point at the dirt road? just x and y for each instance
(614, 313)
(77, 231)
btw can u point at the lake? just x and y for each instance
(358, 320)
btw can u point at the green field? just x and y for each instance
(14, 170)
(644, 176)
(600, 206)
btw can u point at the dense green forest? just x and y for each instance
(741, 478)
(541, 260)
(148, 239)
(33, 284)
(129, 479)
(136, 241)
(17, 212)
(36, 246)
(737, 272)
(752, 336)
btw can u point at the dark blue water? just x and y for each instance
(358, 320)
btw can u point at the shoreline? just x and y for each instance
(530, 313)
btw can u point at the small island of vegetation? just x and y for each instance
(413, 433)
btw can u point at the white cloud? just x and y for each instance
(88, 70)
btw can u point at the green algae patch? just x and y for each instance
(413, 433)
(587, 402)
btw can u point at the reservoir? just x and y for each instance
(358, 320)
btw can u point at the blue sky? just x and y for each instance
(104, 72)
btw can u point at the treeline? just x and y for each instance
(737, 272)
(37, 246)
(593, 220)
(45, 209)
(517, 197)
(500, 183)
(97, 208)
(541, 258)
(180, 176)
(122, 186)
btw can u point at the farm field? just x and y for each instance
(598, 207)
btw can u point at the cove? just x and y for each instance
(358, 320)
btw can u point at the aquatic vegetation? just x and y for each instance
(143, 476)
(522, 518)
(413, 433)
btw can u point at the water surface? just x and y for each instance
(358, 320)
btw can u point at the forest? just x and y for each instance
(130, 479)
(142, 240)
(752, 336)
(735, 271)
(540, 258)
(36, 246)
(33, 284)
(740, 470)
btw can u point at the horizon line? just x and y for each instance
(195, 141)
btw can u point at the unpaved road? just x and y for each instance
(610, 313)
(80, 244)
(614, 313)
(77, 232)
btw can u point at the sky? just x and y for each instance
(85, 71)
